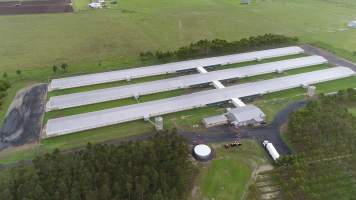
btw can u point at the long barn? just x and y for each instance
(86, 121)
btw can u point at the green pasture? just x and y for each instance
(132, 26)
(227, 176)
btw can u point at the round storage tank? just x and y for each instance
(202, 152)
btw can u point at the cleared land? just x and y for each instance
(227, 176)
(116, 36)
(31, 7)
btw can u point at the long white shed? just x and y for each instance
(86, 121)
(109, 94)
(105, 77)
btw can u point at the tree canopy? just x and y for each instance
(157, 169)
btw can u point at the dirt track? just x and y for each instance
(23, 122)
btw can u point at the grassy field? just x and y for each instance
(353, 110)
(114, 35)
(226, 177)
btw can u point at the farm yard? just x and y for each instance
(68, 38)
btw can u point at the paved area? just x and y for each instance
(23, 122)
(228, 134)
(332, 58)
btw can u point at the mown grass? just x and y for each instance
(226, 177)
(113, 35)
(353, 111)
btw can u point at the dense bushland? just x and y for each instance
(156, 169)
(323, 134)
(216, 47)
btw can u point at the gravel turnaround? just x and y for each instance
(270, 132)
(23, 122)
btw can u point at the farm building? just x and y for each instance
(246, 115)
(352, 24)
(216, 120)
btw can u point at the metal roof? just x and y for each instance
(217, 119)
(105, 77)
(245, 114)
(86, 121)
(109, 94)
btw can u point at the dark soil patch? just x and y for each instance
(39, 6)
(23, 123)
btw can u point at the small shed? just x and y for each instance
(216, 120)
(246, 115)
(245, 1)
(352, 24)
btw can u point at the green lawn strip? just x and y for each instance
(272, 106)
(245, 64)
(277, 75)
(109, 85)
(112, 104)
(80, 5)
(227, 175)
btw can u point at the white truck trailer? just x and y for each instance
(271, 150)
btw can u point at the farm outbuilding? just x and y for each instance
(246, 115)
(216, 120)
(245, 1)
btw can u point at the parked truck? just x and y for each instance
(271, 150)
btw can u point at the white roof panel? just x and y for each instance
(112, 116)
(102, 95)
(105, 77)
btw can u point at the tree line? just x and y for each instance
(323, 136)
(157, 169)
(216, 47)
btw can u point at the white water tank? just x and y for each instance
(202, 152)
(271, 150)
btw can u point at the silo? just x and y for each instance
(202, 152)
(159, 123)
(311, 91)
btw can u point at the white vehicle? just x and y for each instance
(271, 150)
(95, 5)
